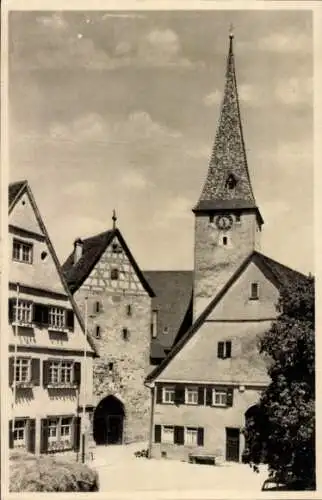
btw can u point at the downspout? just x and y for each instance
(151, 387)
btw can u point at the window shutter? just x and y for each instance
(178, 435)
(11, 370)
(35, 371)
(230, 396)
(45, 373)
(37, 313)
(45, 314)
(77, 373)
(10, 434)
(77, 433)
(44, 435)
(201, 396)
(11, 310)
(31, 435)
(228, 349)
(157, 433)
(200, 436)
(159, 394)
(70, 319)
(179, 396)
(209, 396)
(220, 350)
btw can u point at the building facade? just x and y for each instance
(50, 379)
(210, 381)
(106, 281)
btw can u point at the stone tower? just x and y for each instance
(115, 300)
(227, 220)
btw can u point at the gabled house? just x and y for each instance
(118, 313)
(50, 379)
(211, 379)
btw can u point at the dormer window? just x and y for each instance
(114, 274)
(231, 182)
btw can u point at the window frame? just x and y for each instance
(60, 370)
(24, 306)
(168, 427)
(21, 380)
(24, 429)
(219, 391)
(195, 391)
(252, 295)
(57, 313)
(22, 245)
(188, 430)
(56, 443)
(168, 389)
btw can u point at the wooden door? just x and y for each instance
(232, 444)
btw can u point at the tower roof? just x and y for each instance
(228, 184)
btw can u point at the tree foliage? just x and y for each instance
(280, 431)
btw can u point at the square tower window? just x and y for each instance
(110, 366)
(125, 334)
(97, 307)
(254, 289)
(97, 332)
(114, 274)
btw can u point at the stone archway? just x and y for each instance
(108, 421)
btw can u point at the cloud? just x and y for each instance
(178, 208)
(80, 189)
(134, 179)
(138, 126)
(294, 91)
(286, 43)
(213, 98)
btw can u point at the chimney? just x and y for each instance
(78, 250)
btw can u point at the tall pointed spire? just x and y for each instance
(228, 182)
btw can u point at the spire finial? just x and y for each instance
(231, 31)
(114, 219)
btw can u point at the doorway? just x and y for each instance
(232, 444)
(108, 421)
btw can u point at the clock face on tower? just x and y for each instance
(224, 222)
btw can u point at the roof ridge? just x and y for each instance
(280, 264)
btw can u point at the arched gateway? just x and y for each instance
(108, 421)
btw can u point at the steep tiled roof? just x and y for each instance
(173, 294)
(14, 189)
(280, 274)
(228, 161)
(93, 249)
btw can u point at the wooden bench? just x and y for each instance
(202, 458)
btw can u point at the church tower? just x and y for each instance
(227, 219)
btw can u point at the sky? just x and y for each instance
(119, 110)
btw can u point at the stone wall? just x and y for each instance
(124, 362)
(214, 262)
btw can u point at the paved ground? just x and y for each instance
(120, 470)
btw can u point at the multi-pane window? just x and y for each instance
(191, 436)
(22, 370)
(167, 435)
(168, 394)
(61, 372)
(57, 317)
(191, 395)
(19, 433)
(59, 433)
(219, 397)
(22, 313)
(22, 251)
